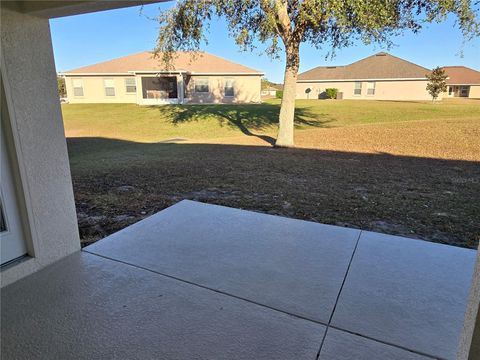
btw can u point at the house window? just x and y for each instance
(201, 85)
(370, 88)
(450, 90)
(464, 90)
(109, 85)
(229, 87)
(77, 87)
(130, 85)
(358, 88)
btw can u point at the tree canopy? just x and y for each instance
(62, 90)
(437, 82)
(282, 25)
(324, 24)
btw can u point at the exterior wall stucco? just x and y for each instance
(246, 90)
(37, 135)
(384, 90)
(94, 90)
(474, 92)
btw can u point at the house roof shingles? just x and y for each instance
(378, 66)
(462, 75)
(201, 63)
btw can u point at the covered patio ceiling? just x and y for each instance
(202, 281)
(53, 9)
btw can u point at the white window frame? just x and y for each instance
(203, 79)
(355, 88)
(133, 84)
(75, 88)
(371, 85)
(106, 88)
(232, 87)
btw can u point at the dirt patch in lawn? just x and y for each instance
(117, 183)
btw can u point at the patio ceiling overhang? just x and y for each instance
(53, 9)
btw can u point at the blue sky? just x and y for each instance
(87, 39)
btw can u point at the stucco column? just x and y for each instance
(180, 88)
(38, 140)
(139, 85)
(469, 348)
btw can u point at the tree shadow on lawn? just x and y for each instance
(425, 198)
(246, 117)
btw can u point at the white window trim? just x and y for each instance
(77, 87)
(195, 86)
(105, 87)
(371, 88)
(355, 88)
(130, 85)
(225, 86)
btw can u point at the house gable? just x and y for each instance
(381, 66)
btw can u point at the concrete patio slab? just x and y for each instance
(294, 266)
(406, 292)
(340, 345)
(88, 307)
(206, 282)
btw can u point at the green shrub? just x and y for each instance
(279, 94)
(331, 93)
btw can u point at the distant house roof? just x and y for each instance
(145, 62)
(462, 75)
(378, 66)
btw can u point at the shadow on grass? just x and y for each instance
(432, 199)
(248, 118)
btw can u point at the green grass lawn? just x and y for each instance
(201, 122)
(407, 168)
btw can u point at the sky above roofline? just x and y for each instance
(87, 39)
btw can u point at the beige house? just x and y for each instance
(141, 79)
(462, 82)
(377, 77)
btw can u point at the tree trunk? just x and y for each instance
(285, 136)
